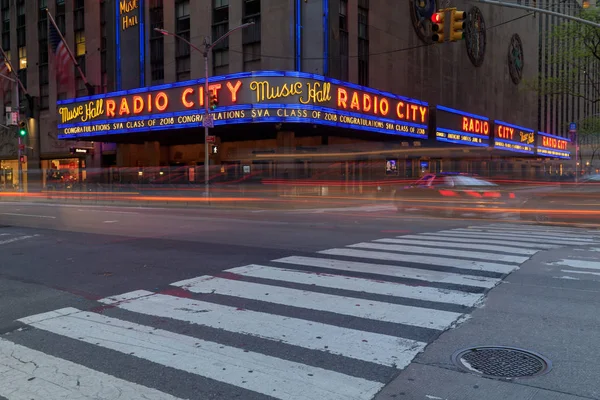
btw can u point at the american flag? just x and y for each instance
(62, 59)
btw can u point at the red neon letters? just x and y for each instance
(476, 126)
(554, 143)
(505, 132)
(379, 105)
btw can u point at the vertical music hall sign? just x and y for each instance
(129, 32)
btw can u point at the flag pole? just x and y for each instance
(85, 81)
(13, 71)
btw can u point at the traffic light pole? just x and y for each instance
(206, 156)
(207, 49)
(19, 153)
(540, 10)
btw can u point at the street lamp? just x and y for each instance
(207, 48)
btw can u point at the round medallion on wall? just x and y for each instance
(475, 36)
(420, 13)
(516, 60)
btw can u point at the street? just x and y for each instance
(316, 304)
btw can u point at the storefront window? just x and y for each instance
(9, 176)
(61, 173)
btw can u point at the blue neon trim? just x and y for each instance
(118, 44)
(243, 121)
(240, 75)
(142, 45)
(248, 107)
(462, 142)
(466, 114)
(298, 35)
(554, 136)
(463, 133)
(325, 37)
(240, 121)
(498, 122)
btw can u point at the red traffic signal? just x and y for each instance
(437, 27)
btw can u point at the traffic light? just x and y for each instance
(457, 25)
(437, 26)
(213, 101)
(22, 128)
(214, 149)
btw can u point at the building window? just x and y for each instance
(5, 16)
(60, 15)
(344, 45)
(43, 55)
(79, 43)
(44, 87)
(182, 27)
(251, 34)
(220, 62)
(22, 74)
(81, 90)
(21, 30)
(252, 57)
(363, 43)
(219, 28)
(157, 42)
(103, 47)
(78, 16)
(22, 57)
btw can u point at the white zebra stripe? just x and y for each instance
(359, 284)
(271, 376)
(441, 243)
(392, 270)
(361, 345)
(27, 374)
(476, 239)
(374, 310)
(427, 260)
(441, 252)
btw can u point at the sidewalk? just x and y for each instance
(551, 307)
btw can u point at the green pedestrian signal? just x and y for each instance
(22, 128)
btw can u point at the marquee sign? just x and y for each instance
(266, 96)
(454, 126)
(513, 138)
(553, 146)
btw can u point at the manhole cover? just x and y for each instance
(501, 362)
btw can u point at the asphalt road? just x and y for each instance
(138, 303)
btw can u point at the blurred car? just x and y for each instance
(570, 202)
(449, 194)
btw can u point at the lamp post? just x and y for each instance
(207, 48)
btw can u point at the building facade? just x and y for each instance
(380, 45)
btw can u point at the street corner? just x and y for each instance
(576, 267)
(535, 315)
(437, 382)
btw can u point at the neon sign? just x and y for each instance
(126, 8)
(267, 96)
(553, 146)
(513, 138)
(454, 126)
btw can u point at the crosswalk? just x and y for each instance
(336, 324)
